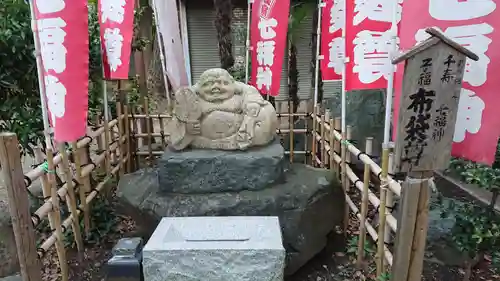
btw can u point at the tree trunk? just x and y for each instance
(223, 17)
(293, 75)
(313, 61)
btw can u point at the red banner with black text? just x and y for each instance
(268, 33)
(368, 43)
(116, 20)
(474, 25)
(61, 29)
(332, 44)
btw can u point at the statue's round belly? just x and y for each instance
(219, 124)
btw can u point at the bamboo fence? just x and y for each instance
(121, 145)
(76, 163)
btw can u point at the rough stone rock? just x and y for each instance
(12, 278)
(307, 204)
(205, 171)
(200, 248)
(8, 251)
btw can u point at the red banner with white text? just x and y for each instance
(62, 33)
(474, 25)
(368, 43)
(116, 20)
(332, 44)
(268, 32)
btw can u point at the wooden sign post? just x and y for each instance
(427, 114)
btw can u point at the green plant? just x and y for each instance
(352, 246)
(386, 276)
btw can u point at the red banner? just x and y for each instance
(332, 44)
(269, 28)
(116, 19)
(62, 31)
(474, 25)
(368, 43)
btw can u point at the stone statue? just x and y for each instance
(221, 113)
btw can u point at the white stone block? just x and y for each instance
(215, 249)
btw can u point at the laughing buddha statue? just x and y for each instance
(221, 113)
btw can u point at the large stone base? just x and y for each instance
(307, 204)
(205, 171)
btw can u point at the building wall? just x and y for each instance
(204, 53)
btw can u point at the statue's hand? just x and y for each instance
(252, 109)
(193, 128)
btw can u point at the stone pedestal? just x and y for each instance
(258, 182)
(215, 249)
(206, 171)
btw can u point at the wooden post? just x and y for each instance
(19, 206)
(429, 103)
(364, 205)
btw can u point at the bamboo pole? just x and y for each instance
(126, 120)
(389, 201)
(61, 252)
(336, 144)
(71, 198)
(134, 140)
(12, 170)
(307, 122)
(323, 131)
(346, 157)
(162, 134)
(106, 127)
(121, 146)
(313, 138)
(39, 158)
(291, 122)
(364, 205)
(382, 211)
(148, 127)
(77, 156)
(331, 140)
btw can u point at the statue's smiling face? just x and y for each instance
(217, 88)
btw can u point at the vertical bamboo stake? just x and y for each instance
(323, 131)
(61, 252)
(39, 158)
(291, 121)
(71, 198)
(382, 211)
(120, 146)
(84, 160)
(314, 143)
(81, 189)
(126, 121)
(389, 198)
(10, 161)
(337, 145)
(364, 205)
(332, 144)
(306, 122)
(345, 180)
(135, 143)
(162, 132)
(99, 141)
(148, 128)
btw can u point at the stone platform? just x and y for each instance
(215, 248)
(307, 204)
(208, 171)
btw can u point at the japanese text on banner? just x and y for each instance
(62, 31)
(116, 19)
(473, 25)
(369, 42)
(332, 43)
(268, 42)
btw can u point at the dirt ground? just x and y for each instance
(335, 263)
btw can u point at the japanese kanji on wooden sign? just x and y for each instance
(428, 107)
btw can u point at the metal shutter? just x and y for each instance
(203, 39)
